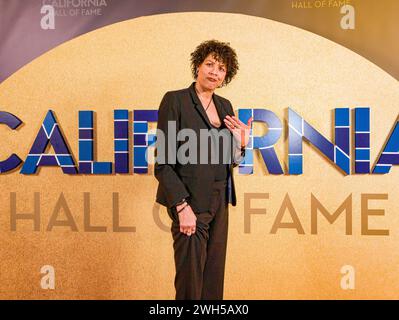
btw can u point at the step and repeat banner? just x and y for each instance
(80, 86)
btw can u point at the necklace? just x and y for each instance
(208, 104)
(200, 99)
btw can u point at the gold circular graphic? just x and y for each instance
(130, 65)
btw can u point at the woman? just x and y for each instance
(196, 194)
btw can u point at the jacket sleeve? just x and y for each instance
(165, 162)
(238, 153)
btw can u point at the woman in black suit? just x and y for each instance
(197, 193)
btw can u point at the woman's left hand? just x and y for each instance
(239, 129)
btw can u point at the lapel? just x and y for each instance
(198, 106)
(222, 114)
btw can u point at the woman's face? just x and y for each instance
(211, 73)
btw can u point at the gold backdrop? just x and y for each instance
(130, 65)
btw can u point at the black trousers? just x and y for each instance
(200, 258)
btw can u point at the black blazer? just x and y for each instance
(191, 181)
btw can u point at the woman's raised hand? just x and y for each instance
(239, 129)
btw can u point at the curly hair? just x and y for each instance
(221, 51)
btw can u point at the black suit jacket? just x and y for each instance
(191, 181)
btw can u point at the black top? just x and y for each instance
(221, 169)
